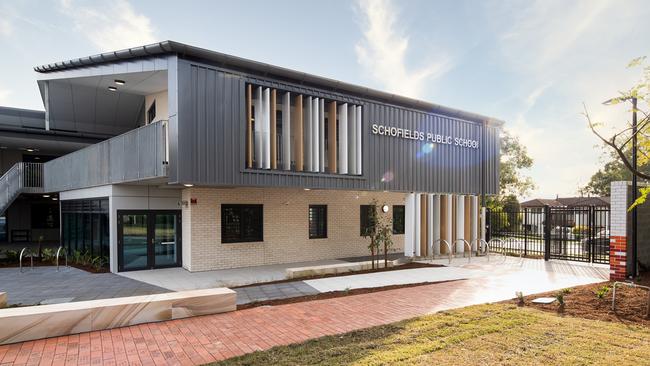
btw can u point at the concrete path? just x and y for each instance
(178, 279)
(215, 337)
(46, 285)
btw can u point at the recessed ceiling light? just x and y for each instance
(29, 149)
(46, 196)
(119, 82)
(188, 185)
(112, 88)
(54, 199)
(37, 158)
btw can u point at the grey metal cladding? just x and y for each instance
(211, 142)
(133, 156)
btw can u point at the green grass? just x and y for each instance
(478, 335)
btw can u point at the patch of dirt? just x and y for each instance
(334, 294)
(411, 265)
(582, 302)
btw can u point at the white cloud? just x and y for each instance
(110, 25)
(6, 28)
(383, 51)
(4, 96)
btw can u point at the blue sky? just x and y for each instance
(530, 63)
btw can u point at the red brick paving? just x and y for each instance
(205, 339)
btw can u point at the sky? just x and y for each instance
(529, 63)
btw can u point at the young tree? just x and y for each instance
(621, 141)
(380, 232)
(514, 161)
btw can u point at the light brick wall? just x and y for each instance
(286, 234)
(618, 231)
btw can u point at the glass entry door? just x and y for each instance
(148, 239)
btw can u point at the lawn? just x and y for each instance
(479, 335)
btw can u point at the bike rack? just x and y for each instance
(31, 259)
(505, 256)
(480, 243)
(58, 252)
(448, 247)
(633, 285)
(468, 245)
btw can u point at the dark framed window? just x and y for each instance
(3, 229)
(45, 215)
(242, 223)
(398, 219)
(317, 221)
(151, 112)
(368, 214)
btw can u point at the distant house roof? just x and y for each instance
(568, 202)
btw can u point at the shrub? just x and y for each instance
(559, 297)
(520, 298)
(601, 292)
(48, 255)
(12, 256)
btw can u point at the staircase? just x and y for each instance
(21, 178)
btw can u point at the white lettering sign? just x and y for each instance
(429, 137)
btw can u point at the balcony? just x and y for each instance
(138, 155)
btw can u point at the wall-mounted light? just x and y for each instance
(188, 185)
(307, 189)
(119, 82)
(384, 208)
(112, 88)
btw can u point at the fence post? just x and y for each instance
(547, 232)
(525, 232)
(591, 233)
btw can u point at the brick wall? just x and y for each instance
(618, 231)
(286, 234)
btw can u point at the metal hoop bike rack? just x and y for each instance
(24, 252)
(482, 246)
(505, 256)
(467, 245)
(448, 247)
(58, 253)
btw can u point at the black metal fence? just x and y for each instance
(577, 233)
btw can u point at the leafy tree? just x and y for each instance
(620, 142)
(379, 231)
(599, 184)
(514, 161)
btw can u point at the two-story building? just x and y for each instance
(174, 155)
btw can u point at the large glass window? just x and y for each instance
(45, 216)
(241, 223)
(85, 226)
(368, 214)
(398, 219)
(317, 221)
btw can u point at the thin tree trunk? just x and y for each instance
(385, 256)
(372, 252)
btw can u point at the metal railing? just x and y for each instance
(20, 178)
(449, 251)
(136, 155)
(467, 245)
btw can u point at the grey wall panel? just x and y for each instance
(135, 155)
(211, 142)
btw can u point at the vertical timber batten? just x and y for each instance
(274, 138)
(249, 126)
(286, 131)
(331, 134)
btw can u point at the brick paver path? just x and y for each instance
(208, 338)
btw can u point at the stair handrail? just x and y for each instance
(31, 259)
(467, 245)
(448, 247)
(58, 252)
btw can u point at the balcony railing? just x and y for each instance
(137, 155)
(20, 178)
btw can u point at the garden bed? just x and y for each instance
(411, 265)
(582, 302)
(38, 263)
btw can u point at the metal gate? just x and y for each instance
(575, 233)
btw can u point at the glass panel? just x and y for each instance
(87, 232)
(105, 237)
(134, 241)
(79, 232)
(165, 239)
(96, 238)
(3, 229)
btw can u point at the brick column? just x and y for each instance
(618, 231)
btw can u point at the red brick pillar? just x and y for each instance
(618, 232)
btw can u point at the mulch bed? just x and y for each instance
(411, 265)
(582, 302)
(331, 295)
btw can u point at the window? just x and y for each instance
(368, 215)
(45, 216)
(317, 221)
(3, 229)
(241, 223)
(151, 113)
(398, 219)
